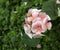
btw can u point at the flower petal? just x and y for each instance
(49, 25)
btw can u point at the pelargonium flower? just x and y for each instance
(36, 23)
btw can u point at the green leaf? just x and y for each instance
(30, 42)
(50, 8)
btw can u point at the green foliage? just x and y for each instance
(30, 42)
(12, 16)
(50, 7)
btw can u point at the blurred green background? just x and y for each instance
(12, 15)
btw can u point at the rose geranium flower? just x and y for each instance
(36, 23)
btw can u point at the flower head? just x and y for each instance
(36, 23)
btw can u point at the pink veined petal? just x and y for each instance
(35, 14)
(42, 15)
(36, 27)
(46, 19)
(27, 28)
(49, 25)
(44, 28)
(36, 23)
(35, 10)
(32, 11)
(28, 31)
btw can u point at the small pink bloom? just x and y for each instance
(36, 23)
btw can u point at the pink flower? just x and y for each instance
(36, 23)
(41, 24)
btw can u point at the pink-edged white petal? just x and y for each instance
(36, 26)
(48, 17)
(49, 25)
(44, 28)
(35, 10)
(26, 27)
(28, 31)
(35, 14)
